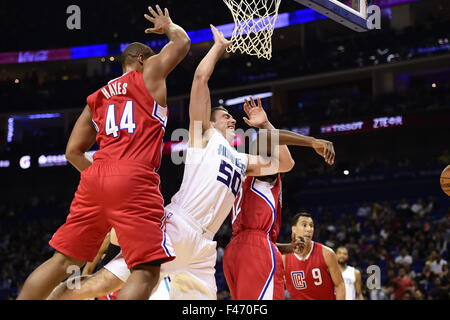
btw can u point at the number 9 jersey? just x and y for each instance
(309, 278)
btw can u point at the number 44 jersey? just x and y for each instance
(130, 124)
(211, 181)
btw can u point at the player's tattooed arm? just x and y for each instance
(267, 162)
(335, 272)
(257, 118)
(81, 140)
(284, 137)
(296, 246)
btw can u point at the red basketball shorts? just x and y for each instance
(253, 267)
(124, 195)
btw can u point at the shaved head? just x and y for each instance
(133, 51)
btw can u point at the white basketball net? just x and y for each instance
(254, 22)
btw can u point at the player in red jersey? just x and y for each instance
(256, 220)
(313, 273)
(120, 188)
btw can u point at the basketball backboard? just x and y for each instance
(350, 13)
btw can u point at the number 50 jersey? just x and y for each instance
(130, 124)
(211, 181)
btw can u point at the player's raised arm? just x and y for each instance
(158, 67)
(257, 118)
(335, 272)
(263, 165)
(200, 99)
(81, 140)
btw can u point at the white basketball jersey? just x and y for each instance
(212, 178)
(349, 279)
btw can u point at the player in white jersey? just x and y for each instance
(351, 275)
(214, 172)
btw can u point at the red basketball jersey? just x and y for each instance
(258, 206)
(130, 124)
(309, 279)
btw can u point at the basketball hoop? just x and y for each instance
(254, 23)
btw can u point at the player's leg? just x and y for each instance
(193, 285)
(194, 276)
(142, 281)
(72, 249)
(43, 280)
(136, 212)
(99, 284)
(254, 277)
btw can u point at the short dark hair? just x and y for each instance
(214, 110)
(298, 215)
(133, 51)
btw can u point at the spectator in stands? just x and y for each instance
(404, 259)
(403, 208)
(403, 282)
(364, 210)
(438, 292)
(429, 205)
(436, 263)
(385, 293)
(418, 208)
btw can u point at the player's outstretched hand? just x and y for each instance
(325, 149)
(160, 19)
(257, 117)
(298, 243)
(219, 38)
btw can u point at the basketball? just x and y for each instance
(445, 180)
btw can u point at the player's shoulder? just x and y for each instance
(327, 251)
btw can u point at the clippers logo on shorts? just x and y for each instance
(298, 279)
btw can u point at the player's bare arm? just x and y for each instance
(158, 67)
(263, 165)
(358, 285)
(257, 118)
(200, 99)
(81, 140)
(336, 275)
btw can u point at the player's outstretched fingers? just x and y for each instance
(166, 12)
(259, 102)
(149, 18)
(153, 12)
(247, 107)
(159, 10)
